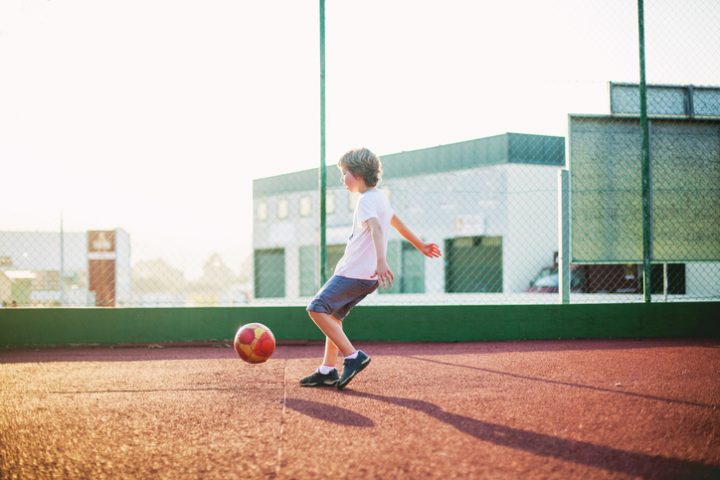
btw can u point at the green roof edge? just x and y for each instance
(517, 148)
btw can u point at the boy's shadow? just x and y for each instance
(328, 413)
(575, 451)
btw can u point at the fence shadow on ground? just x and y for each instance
(598, 456)
(569, 384)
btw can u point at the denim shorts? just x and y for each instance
(340, 294)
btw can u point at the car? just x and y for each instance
(609, 278)
(548, 281)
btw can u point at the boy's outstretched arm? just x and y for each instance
(428, 249)
(382, 270)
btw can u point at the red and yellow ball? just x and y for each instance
(254, 343)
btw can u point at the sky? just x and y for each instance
(155, 115)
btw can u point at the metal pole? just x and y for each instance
(62, 260)
(564, 254)
(645, 162)
(323, 173)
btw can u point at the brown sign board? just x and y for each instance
(101, 266)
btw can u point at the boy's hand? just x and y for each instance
(430, 250)
(384, 274)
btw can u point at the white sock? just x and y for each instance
(324, 369)
(353, 356)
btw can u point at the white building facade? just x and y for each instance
(490, 204)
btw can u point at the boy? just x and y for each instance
(360, 270)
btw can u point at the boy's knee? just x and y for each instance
(318, 305)
(314, 314)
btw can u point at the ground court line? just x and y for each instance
(140, 390)
(278, 461)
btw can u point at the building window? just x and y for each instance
(413, 269)
(309, 266)
(283, 208)
(474, 264)
(392, 255)
(308, 270)
(334, 254)
(408, 265)
(270, 273)
(262, 211)
(675, 278)
(305, 206)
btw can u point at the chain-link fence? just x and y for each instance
(493, 203)
(480, 201)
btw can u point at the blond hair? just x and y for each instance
(362, 163)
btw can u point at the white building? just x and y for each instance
(47, 268)
(490, 203)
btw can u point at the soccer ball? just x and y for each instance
(254, 342)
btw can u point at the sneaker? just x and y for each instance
(317, 379)
(352, 368)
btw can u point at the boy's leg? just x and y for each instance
(331, 353)
(326, 375)
(332, 328)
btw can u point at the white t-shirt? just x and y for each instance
(360, 258)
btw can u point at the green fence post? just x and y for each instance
(564, 241)
(323, 173)
(645, 162)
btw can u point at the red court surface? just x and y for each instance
(542, 409)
